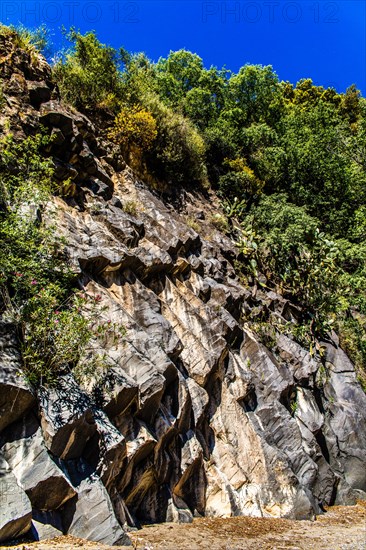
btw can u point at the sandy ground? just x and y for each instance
(341, 528)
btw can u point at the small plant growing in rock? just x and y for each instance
(220, 222)
(192, 223)
(322, 376)
(32, 41)
(235, 208)
(265, 332)
(131, 207)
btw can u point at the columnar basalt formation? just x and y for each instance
(195, 416)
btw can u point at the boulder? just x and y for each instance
(90, 515)
(16, 396)
(39, 93)
(37, 474)
(52, 115)
(46, 525)
(67, 419)
(15, 507)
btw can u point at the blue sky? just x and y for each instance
(319, 39)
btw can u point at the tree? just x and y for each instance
(178, 74)
(88, 73)
(179, 150)
(255, 90)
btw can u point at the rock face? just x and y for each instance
(196, 416)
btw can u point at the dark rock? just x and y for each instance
(116, 202)
(51, 117)
(64, 171)
(116, 160)
(99, 188)
(39, 93)
(57, 137)
(17, 85)
(106, 451)
(46, 525)
(116, 392)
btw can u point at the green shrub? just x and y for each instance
(240, 182)
(179, 151)
(134, 126)
(37, 291)
(352, 337)
(352, 260)
(30, 40)
(282, 241)
(87, 74)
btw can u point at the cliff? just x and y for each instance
(195, 416)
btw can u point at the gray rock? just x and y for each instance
(346, 420)
(307, 410)
(66, 418)
(116, 392)
(106, 451)
(37, 474)
(91, 515)
(46, 525)
(178, 511)
(299, 360)
(15, 508)
(16, 396)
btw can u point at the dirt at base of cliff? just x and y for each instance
(340, 528)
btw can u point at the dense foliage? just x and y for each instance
(55, 323)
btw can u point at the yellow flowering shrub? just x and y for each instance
(134, 126)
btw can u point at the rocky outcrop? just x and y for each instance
(195, 416)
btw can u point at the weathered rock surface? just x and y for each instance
(15, 394)
(15, 508)
(37, 474)
(66, 418)
(195, 415)
(91, 516)
(46, 525)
